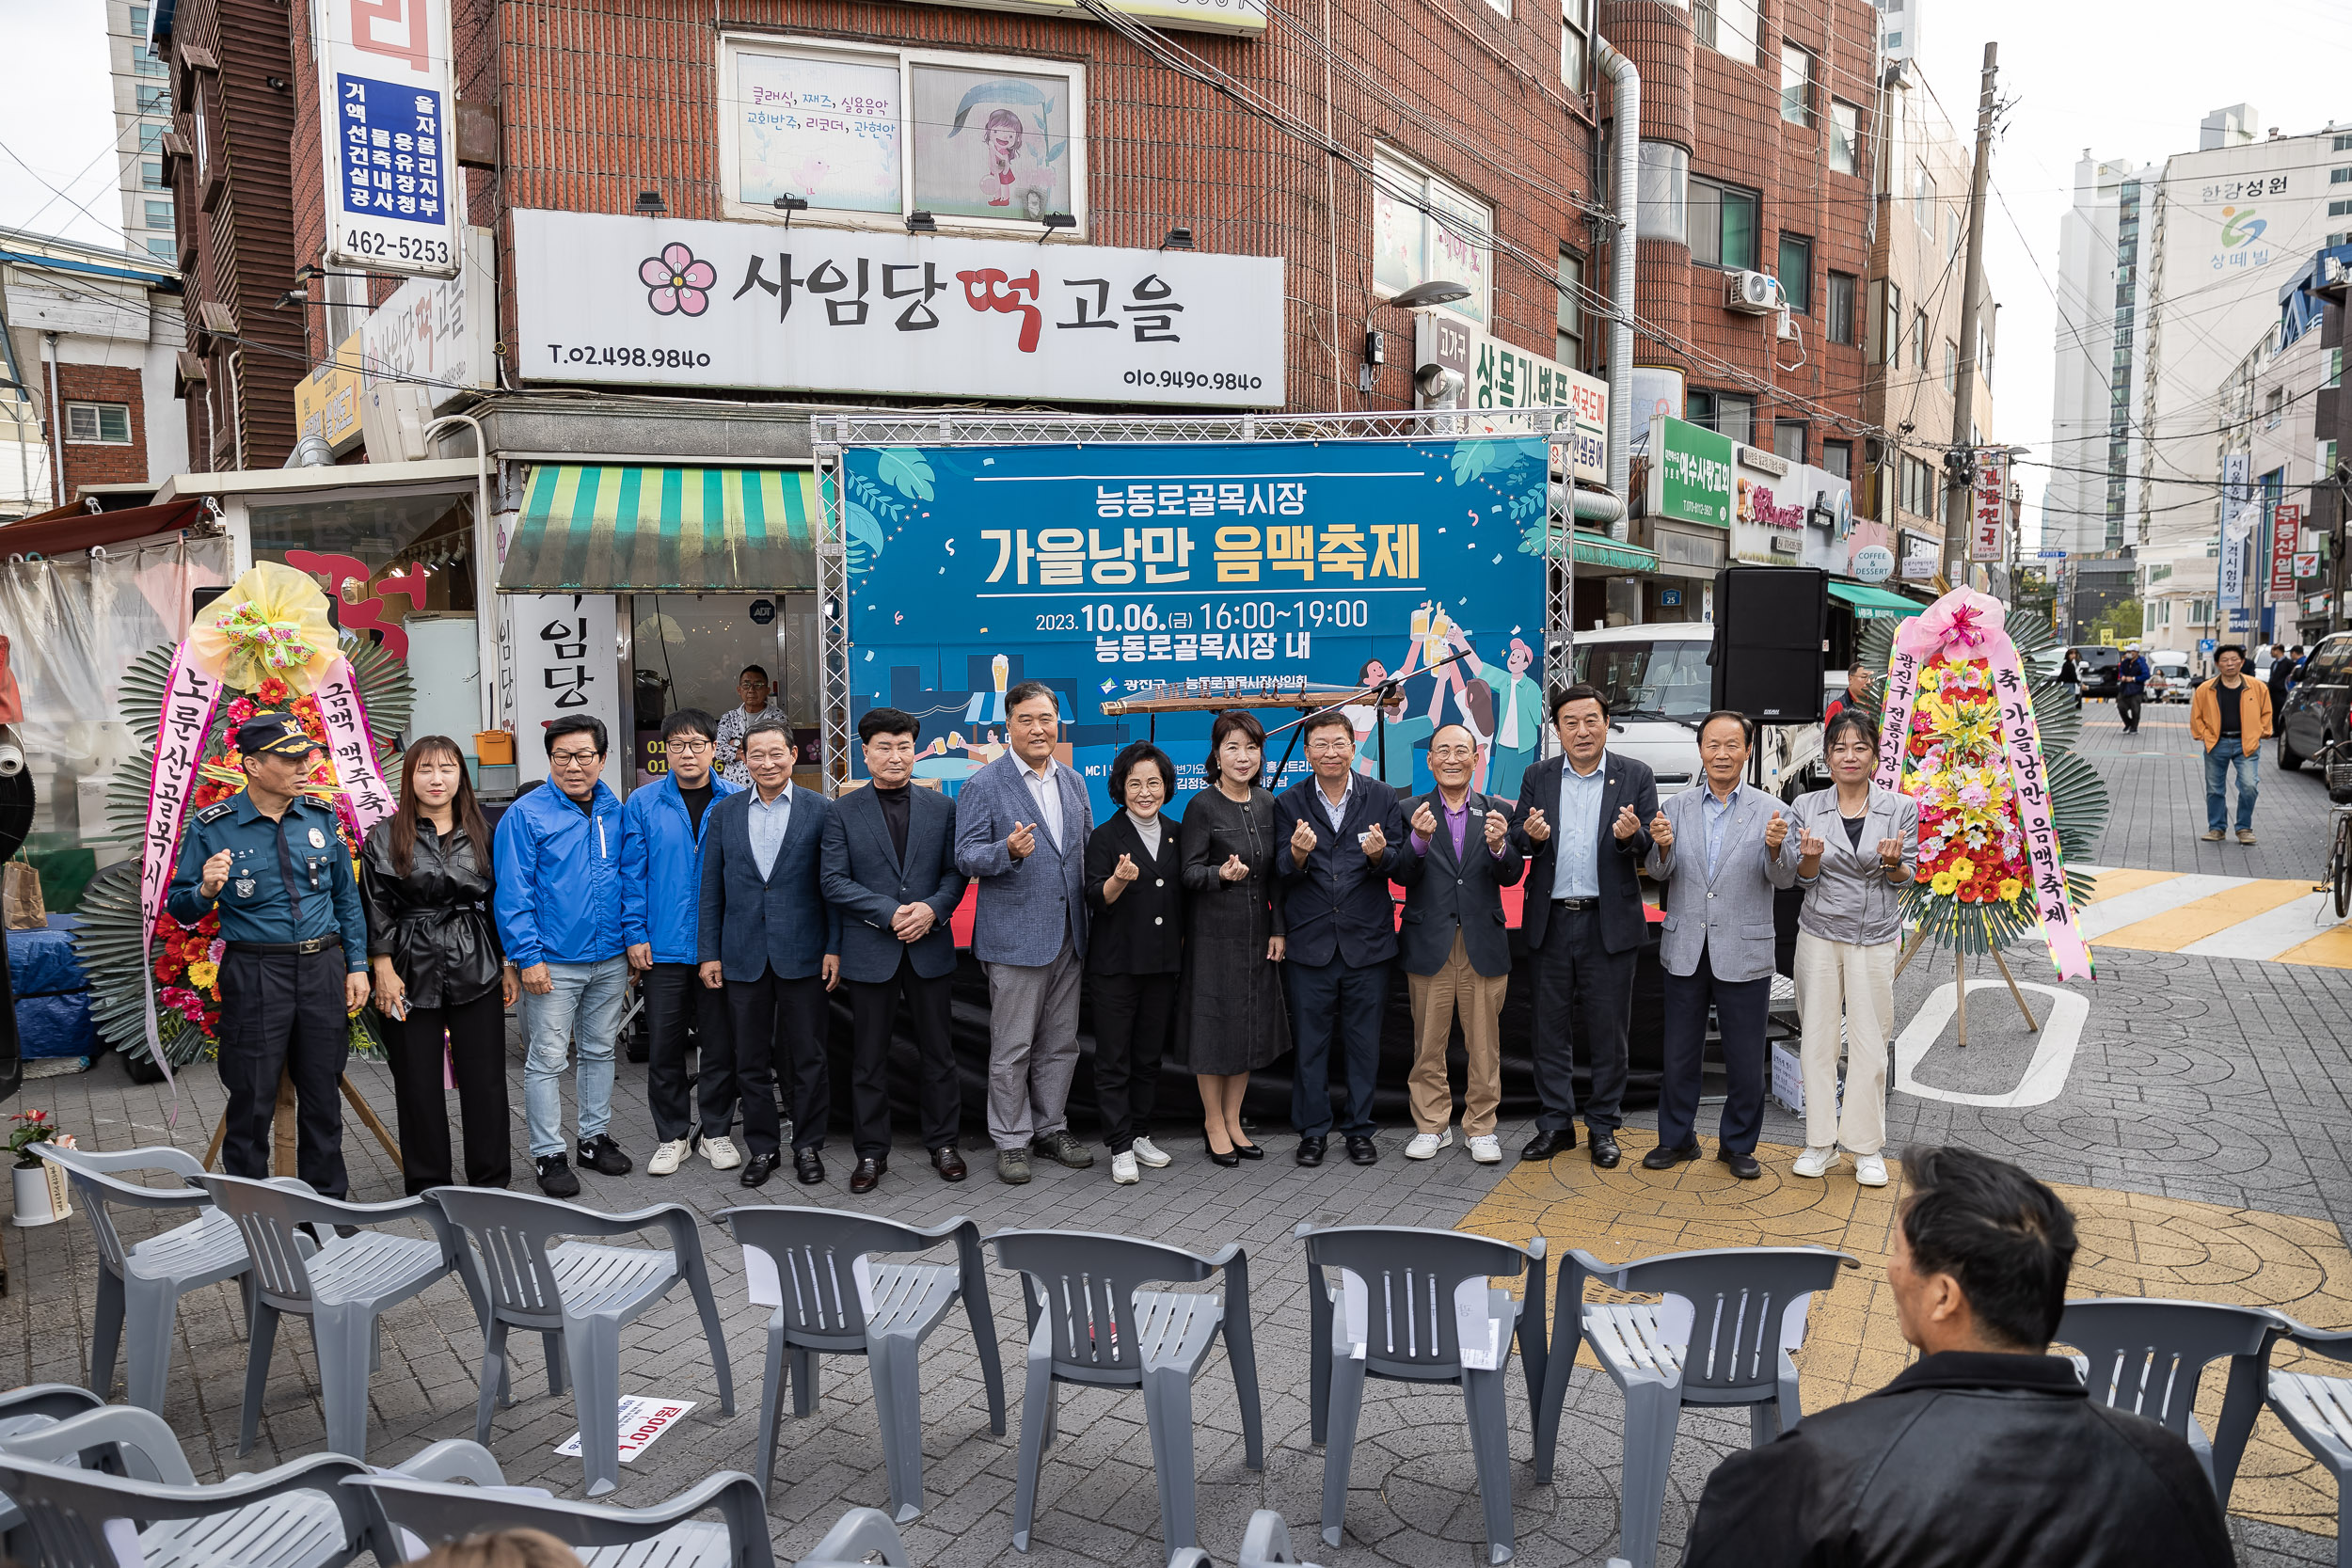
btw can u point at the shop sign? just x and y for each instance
(2306, 564)
(439, 332)
(2237, 540)
(1874, 564)
(1496, 375)
(669, 302)
(385, 111)
(2286, 526)
(1107, 571)
(1196, 16)
(1657, 389)
(326, 402)
(1988, 517)
(1920, 567)
(562, 649)
(1690, 473)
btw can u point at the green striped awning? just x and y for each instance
(1870, 602)
(621, 531)
(1611, 556)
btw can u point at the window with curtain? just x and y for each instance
(1841, 304)
(1789, 440)
(1576, 48)
(1796, 85)
(1723, 221)
(1731, 414)
(1923, 198)
(1423, 227)
(1838, 458)
(1796, 272)
(1845, 138)
(1569, 315)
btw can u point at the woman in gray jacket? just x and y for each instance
(1857, 844)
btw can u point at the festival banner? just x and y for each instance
(350, 748)
(189, 697)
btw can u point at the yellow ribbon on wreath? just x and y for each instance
(272, 623)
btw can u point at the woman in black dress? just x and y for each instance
(425, 878)
(1233, 1013)
(1135, 950)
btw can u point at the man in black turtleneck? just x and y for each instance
(890, 865)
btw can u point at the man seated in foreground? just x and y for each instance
(1987, 1451)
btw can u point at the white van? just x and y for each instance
(1657, 681)
(2170, 680)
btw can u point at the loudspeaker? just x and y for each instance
(1771, 624)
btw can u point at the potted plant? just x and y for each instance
(41, 1189)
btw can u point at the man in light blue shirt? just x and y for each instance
(770, 820)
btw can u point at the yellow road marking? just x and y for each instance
(2174, 929)
(2330, 949)
(2111, 884)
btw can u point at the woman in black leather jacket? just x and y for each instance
(425, 878)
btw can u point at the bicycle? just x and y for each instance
(2336, 757)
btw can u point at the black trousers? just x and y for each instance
(1742, 1007)
(873, 1009)
(1575, 971)
(779, 1023)
(675, 999)
(476, 1032)
(282, 1013)
(2127, 708)
(1335, 1004)
(1133, 1016)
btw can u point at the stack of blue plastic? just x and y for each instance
(52, 1016)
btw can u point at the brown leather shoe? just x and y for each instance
(948, 1163)
(869, 1174)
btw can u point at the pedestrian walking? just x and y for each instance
(1334, 838)
(557, 905)
(767, 936)
(1021, 827)
(1857, 844)
(663, 828)
(1455, 864)
(2229, 716)
(442, 983)
(2280, 679)
(1232, 1020)
(296, 966)
(1135, 888)
(2070, 673)
(2131, 685)
(1585, 827)
(1721, 850)
(890, 872)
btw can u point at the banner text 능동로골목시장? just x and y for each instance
(1108, 570)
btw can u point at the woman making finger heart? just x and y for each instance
(1233, 1008)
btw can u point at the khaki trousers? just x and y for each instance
(1436, 997)
(1845, 989)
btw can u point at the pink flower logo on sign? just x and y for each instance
(675, 282)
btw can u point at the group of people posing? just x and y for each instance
(1258, 925)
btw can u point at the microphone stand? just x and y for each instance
(1383, 691)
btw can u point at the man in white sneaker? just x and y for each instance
(661, 880)
(1455, 864)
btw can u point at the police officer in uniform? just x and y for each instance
(270, 861)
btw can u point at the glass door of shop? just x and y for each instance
(715, 652)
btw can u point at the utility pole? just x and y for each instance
(1959, 497)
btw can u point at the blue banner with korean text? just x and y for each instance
(1106, 571)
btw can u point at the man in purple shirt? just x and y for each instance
(1455, 947)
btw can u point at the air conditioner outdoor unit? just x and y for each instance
(1751, 293)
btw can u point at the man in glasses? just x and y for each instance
(559, 915)
(662, 831)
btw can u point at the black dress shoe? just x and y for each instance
(809, 1167)
(1743, 1165)
(1605, 1151)
(758, 1169)
(948, 1163)
(1310, 1152)
(867, 1176)
(1362, 1150)
(1662, 1158)
(1548, 1142)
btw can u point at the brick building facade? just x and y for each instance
(97, 449)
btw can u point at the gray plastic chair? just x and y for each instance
(583, 1294)
(2318, 1411)
(2147, 1357)
(29, 1409)
(342, 1289)
(1725, 1335)
(667, 1535)
(1266, 1543)
(1413, 1334)
(296, 1515)
(1092, 1322)
(140, 1286)
(818, 1254)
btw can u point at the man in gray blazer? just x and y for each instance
(1721, 850)
(890, 871)
(1021, 825)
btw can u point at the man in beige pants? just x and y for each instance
(1455, 864)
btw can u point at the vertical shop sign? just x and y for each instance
(385, 102)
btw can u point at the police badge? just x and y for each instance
(318, 839)
(244, 887)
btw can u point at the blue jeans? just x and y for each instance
(586, 999)
(2229, 753)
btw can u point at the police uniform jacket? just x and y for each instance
(291, 879)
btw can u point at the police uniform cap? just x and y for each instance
(279, 735)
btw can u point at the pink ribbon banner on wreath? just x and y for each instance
(351, 749)
(190, 696)
(1964, 623)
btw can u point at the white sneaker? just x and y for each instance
(1124, 1171)
(1817, 1162)
(665, 1158)
(1871, 1170)
(1425, 1145)
(1487, 1150)
(721, 1154)
(1148, 1153)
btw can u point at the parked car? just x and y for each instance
(2170, 680)
(2096, 665)
(1659, 685)
(2315, 712)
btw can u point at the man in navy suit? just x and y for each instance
(890, 870)
(769, 937)
(1334, 830)
(1584, 828)
(1022, 826)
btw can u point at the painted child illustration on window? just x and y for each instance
(1003, 134)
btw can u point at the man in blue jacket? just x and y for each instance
(767, 936)
(661, 880)
(559, 915)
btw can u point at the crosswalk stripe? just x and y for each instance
(2175, 930)
(2277, 920)
(2270, 935)
(2330, 949)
